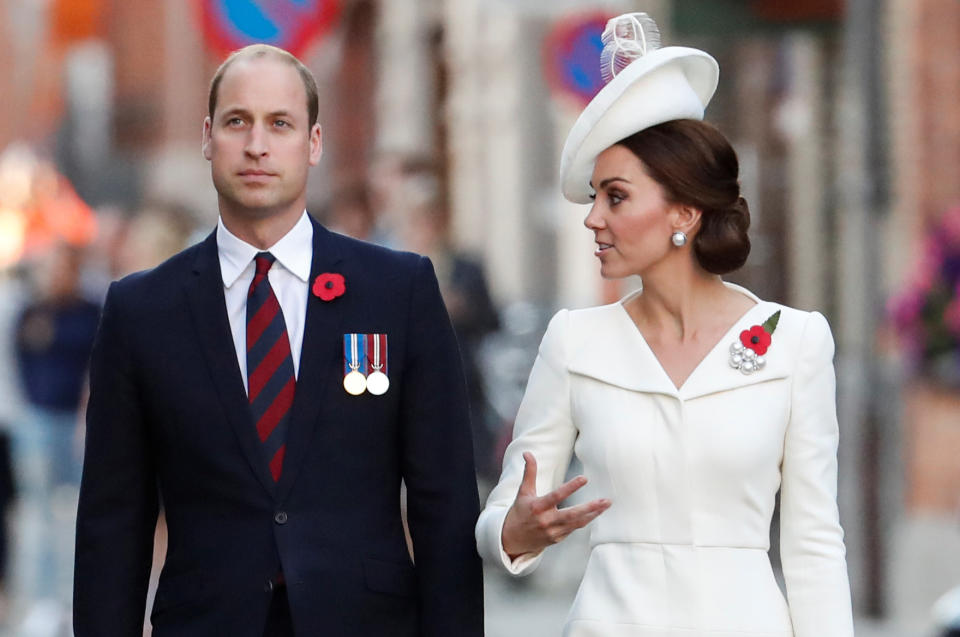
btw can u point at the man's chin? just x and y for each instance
(250, 213)
(257, 207)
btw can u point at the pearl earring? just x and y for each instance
(679, 238)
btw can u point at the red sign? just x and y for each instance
(292, 25)
(571, 55)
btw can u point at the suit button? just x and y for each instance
(280, 517)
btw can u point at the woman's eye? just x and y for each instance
(615, 198)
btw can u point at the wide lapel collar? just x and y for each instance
(206, 300)
(714, 373)
(321, 345)
(607, 346)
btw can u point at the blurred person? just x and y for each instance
(463, 286)
(54, 337)
(350, 213)
(7, 495)
(154, 233)
(279, 471)
(12, 299)
(399, 183)
(102, 263)
(131, 241)
(386, 196)
(689, 402)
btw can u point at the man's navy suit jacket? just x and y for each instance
(168, 420)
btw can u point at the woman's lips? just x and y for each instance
(602, 248)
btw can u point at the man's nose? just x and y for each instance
(256, 142)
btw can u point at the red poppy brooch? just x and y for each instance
(748, 353)
(329, 286)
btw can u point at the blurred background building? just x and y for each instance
(443, 122)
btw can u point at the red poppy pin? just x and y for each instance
(747, 353)
(329, 286)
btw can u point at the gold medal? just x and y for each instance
(355, 383)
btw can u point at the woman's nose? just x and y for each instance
(593, 220)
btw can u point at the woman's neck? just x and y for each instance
(677, 303)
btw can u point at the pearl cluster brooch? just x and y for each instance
(748, 353)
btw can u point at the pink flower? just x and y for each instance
(904, 309)
(952, 316)
(928, 264)
(949, 224)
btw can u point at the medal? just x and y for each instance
(377, 381)
(353, 380)
(354, 383)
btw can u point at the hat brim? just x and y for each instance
(666, 84)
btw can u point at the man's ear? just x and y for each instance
(316, 144)
(207, 132)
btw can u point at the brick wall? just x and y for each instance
(936, 97)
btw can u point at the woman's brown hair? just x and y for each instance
(696, 166)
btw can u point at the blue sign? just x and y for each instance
(572, 56)
(289, 24)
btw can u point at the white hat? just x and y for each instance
(649, 86)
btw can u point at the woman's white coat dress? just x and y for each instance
(692, 473)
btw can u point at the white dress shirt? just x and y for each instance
(289, 278)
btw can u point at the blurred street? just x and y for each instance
(443, 122)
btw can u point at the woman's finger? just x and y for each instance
(528, 485)
(573, 518)
(561, 493)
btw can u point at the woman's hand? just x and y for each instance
(534, 523)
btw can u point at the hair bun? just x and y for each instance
(722, 245)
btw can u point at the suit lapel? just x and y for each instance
(321, 345)
(205, 296)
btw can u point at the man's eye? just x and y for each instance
(234, 121)
(282, 123)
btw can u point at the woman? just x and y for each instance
(689, 403)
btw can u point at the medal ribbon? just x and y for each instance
(378, 346)
(353, 352)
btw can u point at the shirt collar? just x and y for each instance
(294, 251)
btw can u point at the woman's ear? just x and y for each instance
(686, 219)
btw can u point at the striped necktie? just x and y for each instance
(270, 379)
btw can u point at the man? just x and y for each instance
(229, 383)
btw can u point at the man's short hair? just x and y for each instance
(256, 51)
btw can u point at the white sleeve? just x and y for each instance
(543, 427)
(811, 539)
